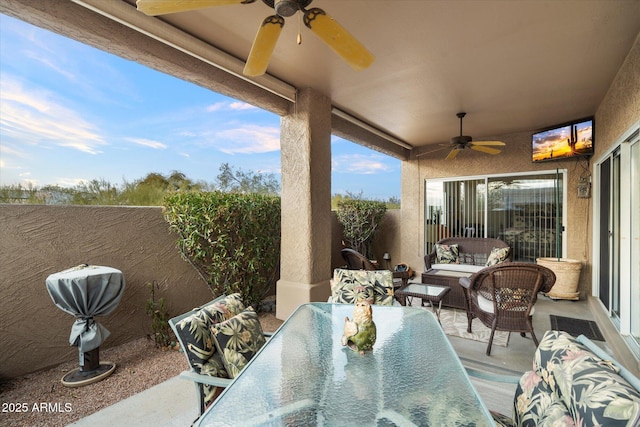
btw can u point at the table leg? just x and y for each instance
(439, 309)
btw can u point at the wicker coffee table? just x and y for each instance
(431, 293)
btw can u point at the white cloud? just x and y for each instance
(148, 143)
(241, 106)
(248, 140)
(360, 164)
(215, 107)
(33, 116)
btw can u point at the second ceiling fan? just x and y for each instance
(316, 19)
(464, 141)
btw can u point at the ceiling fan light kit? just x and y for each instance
(317, 20)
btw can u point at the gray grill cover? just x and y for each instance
(86, 291)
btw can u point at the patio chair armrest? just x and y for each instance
(465, 282)
(205, 379)
(490, 376)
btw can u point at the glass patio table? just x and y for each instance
(303, 376)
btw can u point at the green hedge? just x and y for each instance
(231, 239)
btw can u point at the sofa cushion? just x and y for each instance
(347, 285)
(497, 256)
(446, 254)
(195, 330)
(458, 268)
(238, 339)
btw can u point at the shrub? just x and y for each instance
(360, 219)
(157, 312)
(231, 239)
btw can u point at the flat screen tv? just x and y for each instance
(560, 142)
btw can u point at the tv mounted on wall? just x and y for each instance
(565, 141)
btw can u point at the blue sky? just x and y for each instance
(72, 113)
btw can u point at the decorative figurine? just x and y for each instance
(360, 334)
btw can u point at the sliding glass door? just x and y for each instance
(524, 210)
(617, 237)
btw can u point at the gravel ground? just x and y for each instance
(39, 399)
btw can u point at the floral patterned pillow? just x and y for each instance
(497, 256)
(194, 331)
(447, 254)
(238, 339)
(349, 285)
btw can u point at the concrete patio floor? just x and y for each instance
(173, 403)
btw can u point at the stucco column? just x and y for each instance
(412, 215)
(305, 265)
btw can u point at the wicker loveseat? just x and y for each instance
(471, 256)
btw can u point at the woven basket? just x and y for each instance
(567, 273)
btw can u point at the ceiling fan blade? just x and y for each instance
(484, 149)
(338, 39)
(432, 151)
(488, 143)
(162, 7)
(452, 154)
(263, 45)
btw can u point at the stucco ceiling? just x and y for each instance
(511, 65)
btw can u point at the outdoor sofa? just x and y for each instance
(456, 257)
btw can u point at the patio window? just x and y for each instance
(524, 210)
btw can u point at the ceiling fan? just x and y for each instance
(316, 19)
(464, 141)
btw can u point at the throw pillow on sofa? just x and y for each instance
(447, 254)
(497, 256)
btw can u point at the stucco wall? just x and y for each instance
(386, 240)
(40, 240)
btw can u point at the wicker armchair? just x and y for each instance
(356, 261)
(503, 296)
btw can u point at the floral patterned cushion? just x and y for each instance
(446, 254)
(570, 385)
(238, 339)
(348, 285)
(497, 256)
(194, 331)
(536, 403)
(215, 368)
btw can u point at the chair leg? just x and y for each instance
(533, 335)
(493, 331)
(535, 340)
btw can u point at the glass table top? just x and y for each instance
(419, 288)
(303, 376)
